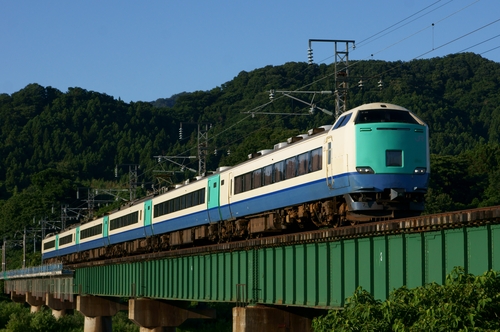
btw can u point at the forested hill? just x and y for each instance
(53, 142)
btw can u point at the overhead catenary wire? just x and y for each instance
(367, 40)
(492, 49)
(484, 41)
(458, 38)
(426, 28)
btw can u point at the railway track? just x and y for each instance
(425, 223)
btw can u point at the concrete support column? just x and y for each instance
(58, 313)
(97, 324)
(155, 315)
(272, 319)
(98, 312)
(35, 302)
(58, 306)
(34, 309)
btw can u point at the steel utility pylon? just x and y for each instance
(341, 71)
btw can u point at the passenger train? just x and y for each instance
(371, 164)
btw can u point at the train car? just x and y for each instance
(93, 234)
(268, 188)
(130, 223)
(380, 152)
(181, 208)
(371, 164)
(56, 245)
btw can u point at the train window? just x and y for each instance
(394, 158)
(91, 231)
(268, 175)
(196, 197)
(303, 163)
(342, 121)
(202, 196)
(337, 124)
(247, 181)
(66, 239)
(316, 160)
(49, 245)
(238, 184)
(387, 115)
(279, 171)
(257, 179)
(123, 221)
(182, 204)
(329, 153)
(290, 165)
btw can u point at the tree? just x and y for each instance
(465, 302)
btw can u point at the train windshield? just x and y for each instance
(384, 115)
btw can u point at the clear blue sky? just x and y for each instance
(145, 50)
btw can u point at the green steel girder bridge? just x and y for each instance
(318, 270)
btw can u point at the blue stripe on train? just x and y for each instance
(346, 183)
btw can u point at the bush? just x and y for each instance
(464, 302)
(7, 309)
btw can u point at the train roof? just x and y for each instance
(381, 106)
(372, 106)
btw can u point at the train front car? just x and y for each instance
(391, 151)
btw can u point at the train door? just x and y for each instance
(105, 230)
(77, 238)
(213, 198)
(148, 228)
(329, 165)
(337, 159)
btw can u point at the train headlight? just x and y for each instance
(420, 170)
(365, 170)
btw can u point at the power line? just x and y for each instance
(395, 24)
(492, 49)
(454, 40)
(484, 41)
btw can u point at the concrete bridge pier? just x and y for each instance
(35, 302)
(98, 312)
(156, 316)
(271, 319)
(58, 306)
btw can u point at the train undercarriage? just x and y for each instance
(343, 210)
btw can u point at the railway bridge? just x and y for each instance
(277, 283)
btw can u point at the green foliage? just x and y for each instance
(465, 302)
(9, 309)
(53, 142)
(19, 322)
(121, 323)
(43, 321)
(15, 317)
